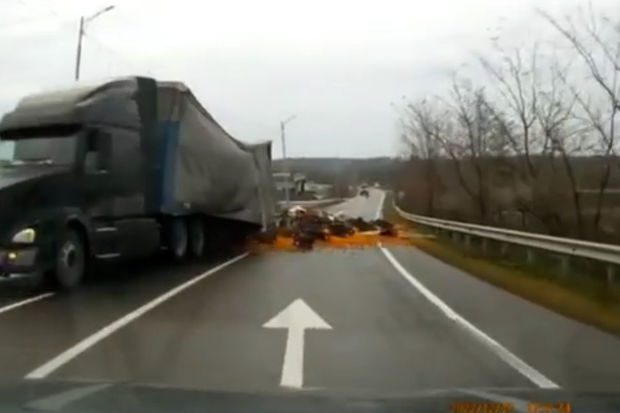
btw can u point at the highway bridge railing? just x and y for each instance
(566, 248)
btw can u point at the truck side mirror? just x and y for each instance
(98, 148)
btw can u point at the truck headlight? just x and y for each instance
(25, 236)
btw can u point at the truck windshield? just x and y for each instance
(57, 150)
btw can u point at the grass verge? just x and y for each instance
(579, 296)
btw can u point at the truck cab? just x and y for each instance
(121, 169)
(68, 185)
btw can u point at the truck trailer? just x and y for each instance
(121, 169)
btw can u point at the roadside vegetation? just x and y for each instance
(524, 137)
(581, 294)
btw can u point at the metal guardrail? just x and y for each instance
(312, 203)
(607, 253)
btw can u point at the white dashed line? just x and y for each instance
(71, 353)
(24, 302)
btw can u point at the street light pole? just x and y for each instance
(83, 21)
(78, 57)
(284, 160)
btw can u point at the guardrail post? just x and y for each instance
(484, 245)
(503, 249)
(530, 256)
(611, 273)
(455, 236)
(467, 240)
(564, 264)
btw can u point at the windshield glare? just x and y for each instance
(59, 150)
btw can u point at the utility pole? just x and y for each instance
(83, 22)
(285, 161)
(78, 58)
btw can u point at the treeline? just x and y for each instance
(534, 146)
(343, 173)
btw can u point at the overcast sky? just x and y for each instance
(337, 65)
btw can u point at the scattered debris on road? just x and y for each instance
(304, 228)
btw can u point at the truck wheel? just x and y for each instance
(196, 238)
(70, 264)
(178, 239)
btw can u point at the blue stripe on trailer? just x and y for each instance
(167, 158)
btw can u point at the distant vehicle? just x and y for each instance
(122, 169)
(365, 193)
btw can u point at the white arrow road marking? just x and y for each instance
(296, 317)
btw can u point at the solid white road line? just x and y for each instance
(379, 213)
(69, 354)
(24, 302)
(521, 366)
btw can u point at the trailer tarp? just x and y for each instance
(110, 103)
(191, 164)
(206, 168)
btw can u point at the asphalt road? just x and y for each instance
(380, 321)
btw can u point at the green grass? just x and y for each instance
(582, 294)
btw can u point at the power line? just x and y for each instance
(44, 8)
(53, 13)
(26, 18)
(131, 62)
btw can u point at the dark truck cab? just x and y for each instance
(122, 169)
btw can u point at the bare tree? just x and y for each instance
(516, 81)
(601, 58)
(474, 141)
(562, 135)
(420, 129)
(521, 142)
(462, 128)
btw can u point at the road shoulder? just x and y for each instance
(571, 353)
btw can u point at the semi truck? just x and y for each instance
(123, 169)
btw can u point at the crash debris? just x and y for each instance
(304, 228)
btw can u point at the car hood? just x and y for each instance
(94, 397)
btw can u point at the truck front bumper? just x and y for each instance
(18, 260)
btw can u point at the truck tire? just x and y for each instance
(196, 238)
(70, 262)
(178, 240)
